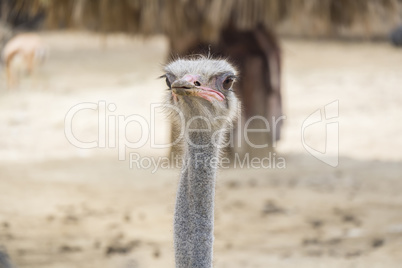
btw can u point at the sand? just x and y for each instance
(63, 206)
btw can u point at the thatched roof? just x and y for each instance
(316, 18)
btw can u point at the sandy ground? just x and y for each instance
(63, 206)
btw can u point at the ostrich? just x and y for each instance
(26, 50)
(201, 91)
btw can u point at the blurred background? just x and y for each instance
(66, 206)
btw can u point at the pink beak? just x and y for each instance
(186, 87)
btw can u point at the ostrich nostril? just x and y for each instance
(197, 84)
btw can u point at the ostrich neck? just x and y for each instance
(194, 214)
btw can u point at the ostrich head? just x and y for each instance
(202, 88)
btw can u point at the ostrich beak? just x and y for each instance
(181, 83)
(181, 86)
(185, 88)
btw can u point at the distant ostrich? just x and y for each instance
(23, 52)
(201, 90)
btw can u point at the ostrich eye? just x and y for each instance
(168, 83)
(227, 84)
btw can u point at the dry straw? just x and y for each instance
(206, 18)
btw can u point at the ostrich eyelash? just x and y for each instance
(167, 81)
(234, 77)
